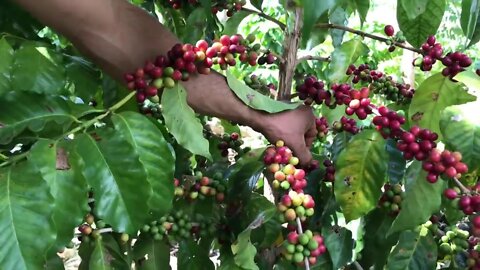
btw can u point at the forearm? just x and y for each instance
(120, 37)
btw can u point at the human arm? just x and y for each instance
(120, 37)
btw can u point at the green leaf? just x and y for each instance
(360, 174)
(26, 208)
(244, 174)
(192, 254)
(396, 162)
(425, 24)
(476, 35)
(415, 250)
(414, 7)
(114, 171)
(470, 79)
(231, 25)
(106, 254)
(432, 97)
(35, 69)
(416, 209)
(244, 251)
(362, 7)
(257, 4)
(338, 16)
(343, 56)
(155, 155)
(340, 142)
(181, 121)
(53, 160)
(197, 23)
(6, 54)
(461, 134)
(256, 100)
(312, 11)
(339, 243)
(85, 80)
(32, 114)
(469, 17)
(151, 254)
(377, 245)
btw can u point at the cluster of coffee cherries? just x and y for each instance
(379, 83)
(329, 170)
(183, 60)
(468, 203)
(260, 85)
(201, 188)
(447, 163)
(391, 199)
(312, 90)
(346, 124)
(321, 125)
(454, 62)
(293, 205)
(176, 226)
(454, 241)
(281, 163)
(297, 247)
(230, 141)
(417, 143)
(389, 123)
(359, 103)
(202, 227)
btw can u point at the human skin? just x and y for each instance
(119, 37)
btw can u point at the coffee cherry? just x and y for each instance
(389, 31)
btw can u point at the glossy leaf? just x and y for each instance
(106, 254)
(6, 54)
(360, 174)
(414, 7)
(425, 24)
(256, 100)
(85, 79)
(312, 11)
(197, 23)
(343, 56)
(257, 4)
(377, 245)
(32, 114)
(338, 16)
(53, 160)
(36, 69)
(416, 209)
(461, 134)
(340, 142)
(26, 209)
(415, 250)
(476, 35)
(469, 17)
(150, 254)
(231, 26)
(432, 97)
(396, 162)
(181, 121)
(339, 243)
(155, 155)
(362, 7)
(120, 185)
(192, 254)
(244, 252)
(470, 79)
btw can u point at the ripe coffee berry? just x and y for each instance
(389, 31)
(322, 127)
(312, 90)
(329, 171)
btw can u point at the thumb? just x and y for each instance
(301, 151)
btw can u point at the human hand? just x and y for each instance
(295, 127)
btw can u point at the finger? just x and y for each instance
(301, 151)
(309, 141)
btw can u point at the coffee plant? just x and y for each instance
(129, 175)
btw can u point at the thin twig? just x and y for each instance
(364, 34)
(313, 57)
(461, 186)
(266, 16)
